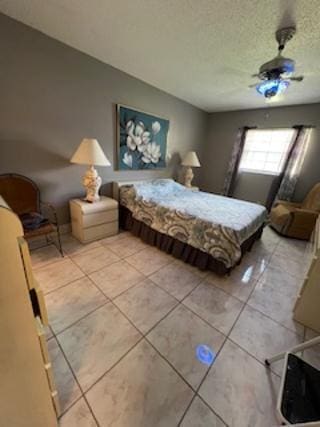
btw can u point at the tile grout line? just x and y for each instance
(120, 259)
(62, 413)
(167, 361)
(275, 321)
(94, 271)
(209, 369)
(144, 336)
(66, 255)
(97, 308)
(247, 303)
(92, 385)
(90, 409)
(172, 296)
(77, 382)
(253, 356)
(141, 338)
(62, 286)
(82, 317)
(243, 308)
(219, 416)
(202, 381)
(121, 293)
(228, 336)
(218, 353)
(54, 335)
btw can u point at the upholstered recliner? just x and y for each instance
(297, 219)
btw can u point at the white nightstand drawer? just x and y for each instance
(96, 232)
(99, 218)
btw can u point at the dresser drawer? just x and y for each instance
(25, 256)
(100, 231)
(99, 218)
(42, 340)
(50, 377)
(55, 401)
(93, 233)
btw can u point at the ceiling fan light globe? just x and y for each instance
(271, 88)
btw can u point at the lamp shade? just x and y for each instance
(191, 159)
(89, 152)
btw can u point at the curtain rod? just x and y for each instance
(284, 127)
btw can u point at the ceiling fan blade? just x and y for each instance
(296, 79)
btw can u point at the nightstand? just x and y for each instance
(92, 221)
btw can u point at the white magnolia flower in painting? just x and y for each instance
(127, 159)
(138, 137)
(129, 126)
(152, 153)
(156, 128)
(139, 129)
(130, 143)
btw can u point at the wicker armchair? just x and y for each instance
(23, 197)
(297, 219)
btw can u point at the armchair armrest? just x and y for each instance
(49, 211)
(303, 218)
(288, 204)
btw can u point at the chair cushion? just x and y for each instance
(41, 231)
(33, 220)
(280, 213)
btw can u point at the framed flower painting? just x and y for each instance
(142, 140)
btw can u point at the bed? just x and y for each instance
(206, 230)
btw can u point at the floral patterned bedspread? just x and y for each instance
(214, 224)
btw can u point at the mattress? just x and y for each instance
(212, 223)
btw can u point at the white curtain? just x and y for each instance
(294, 164)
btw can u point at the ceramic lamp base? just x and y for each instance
(92, 183)
(188, 177)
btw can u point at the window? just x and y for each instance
(265, 150)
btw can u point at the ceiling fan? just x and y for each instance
(276, 75)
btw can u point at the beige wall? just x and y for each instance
(51, 96)
(222, 132)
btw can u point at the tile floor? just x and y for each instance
(126, 319)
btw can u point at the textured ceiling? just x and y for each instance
(202, 51)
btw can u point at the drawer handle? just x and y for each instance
(38, 305)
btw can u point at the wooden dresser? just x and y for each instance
(307, 307)
(28, 396)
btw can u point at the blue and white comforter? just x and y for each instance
(214, 224)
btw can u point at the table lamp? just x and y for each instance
(190, 161)
(90, 153)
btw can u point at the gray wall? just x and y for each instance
(253, 187)
(222, 132)
(51, 96)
